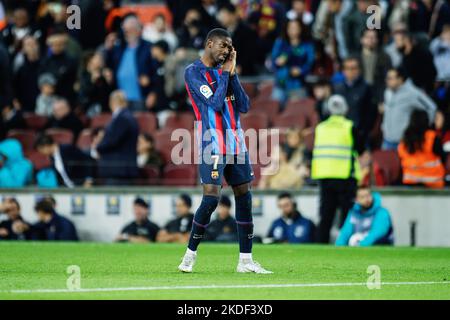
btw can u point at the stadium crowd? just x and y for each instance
(96, 105)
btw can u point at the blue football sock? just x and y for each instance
(201, 220)
(244, 222)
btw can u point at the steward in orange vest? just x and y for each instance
(423, 166)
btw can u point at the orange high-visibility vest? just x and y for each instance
(423, 166)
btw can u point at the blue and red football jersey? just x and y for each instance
(217, 99)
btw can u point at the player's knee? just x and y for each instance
(209, 203)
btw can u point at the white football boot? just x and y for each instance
(248, 265)
(188, 262)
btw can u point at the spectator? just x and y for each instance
(281, 174)
(244, 39)
(14, 228)
(12, 117)
(132, 64)
(291, 227)
(375, 63)
(421, 152)
(367, 223)
(358, 95)
(417, 61)
(141, 230)
(5, 77)
(292, 58)
(391, 49)
(147, 154)
(64, 118)
(322, 90)
(400, 99)
(51, 225)
(354, 23)
(295, 148)
(223, 228)
(117, 149)
(47, 97)
(96, 84)
(440, 49)
(299, 11)
(19, 28)
(159, 30)
(178, 229)
(192, 33)
(71, 164)
(26, 76)
(15, 170)
(61, 65)
(157, 100)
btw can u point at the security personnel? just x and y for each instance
(337, 145)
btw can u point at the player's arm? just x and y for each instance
(242, 99)
(202, 94)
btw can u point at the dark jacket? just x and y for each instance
(419, 66)
(245, 42)
(26, 84)
(7, 224)
(59, 228)
(222, 230)
(69, 122)
(145, 63)
(64, 68)
(118, 155)
(295, 230)
(362, 111)
(77, 164)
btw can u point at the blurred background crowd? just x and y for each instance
(97, 105)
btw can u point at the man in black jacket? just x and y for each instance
(117, 150)
(73, 167)
(64, 118)
(14, 228)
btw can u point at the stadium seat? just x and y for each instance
(180, 175)
(290, 120)
(34, 121)
(101, 120)
(149, 175)
(265, 90)
(250, 89)
(183, 120)
(164, 144)
(254, 120)
(267, 106)
(39, 160)
(389, 163)
(85, 139)
(62, 136)
(308, 139)
(147, 122)
(306, 107)
(25, 137)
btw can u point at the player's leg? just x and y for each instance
(211, 173)
(239, 175)
(201, 220)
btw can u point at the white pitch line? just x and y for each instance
(246, 286)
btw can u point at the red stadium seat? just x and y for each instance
(389, 163)
(25, 137)
(147, 122)
(101, 120)
(290, 120)
(308, 139)
(183, 120)
(250, 89)
(305, 107)
(39, 160)
(164, 144)
(149, 175)
(265, 90)
(254, 120)
(62, 136)
(34, 121)
(85, 139)
(180, 175)
(267, 106)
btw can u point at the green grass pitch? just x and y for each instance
(150, 272)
